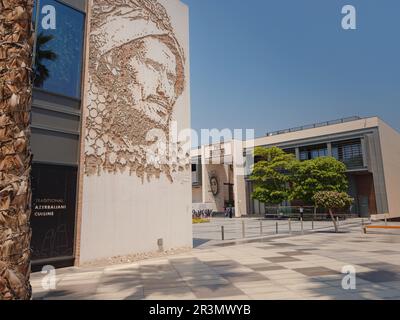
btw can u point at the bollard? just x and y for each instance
(222, 233)
(277, 231)
(385, 221)
(302, 225)
(312, 224)
(261, 228)
(243, 230)
(290, 226)
(362, 226)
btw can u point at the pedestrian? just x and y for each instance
(230, 211)
(301, 213)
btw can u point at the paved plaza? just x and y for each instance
(299, 266)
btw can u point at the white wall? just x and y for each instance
(122, 217)
(239, 180)
(390, 145)
(125, 213)
(197, 195)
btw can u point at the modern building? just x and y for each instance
(368, 147)
(110, 79)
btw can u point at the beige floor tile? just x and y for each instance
(264, 289)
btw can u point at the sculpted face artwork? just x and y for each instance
(214, 186)
(136, 77)
(155, 74)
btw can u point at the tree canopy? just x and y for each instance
(320, 174)
(279, 176)
(272, 175)
(332, 200)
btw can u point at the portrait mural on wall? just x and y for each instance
(214, 185)
(136, 75)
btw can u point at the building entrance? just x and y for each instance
(53, 215)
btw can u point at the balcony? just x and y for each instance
(350, 153)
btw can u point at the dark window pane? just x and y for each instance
(59, 49)
(350, 153)
(335, 153)
(314, 154)
(304, 155)
(290, 151)
(323, 152)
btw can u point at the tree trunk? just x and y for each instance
(334, 221)
(16, 43)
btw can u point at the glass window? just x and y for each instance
(59, 48)
(323, 152)
(335, 152)
(304, 155)
(290, 151)
(350, 153)
(313, 153)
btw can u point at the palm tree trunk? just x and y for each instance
(16, 43)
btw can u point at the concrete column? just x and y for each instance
(364, 152)
(297, 153)
(329, 145)
(239, 188)
(204, 174)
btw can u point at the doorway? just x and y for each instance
(364, 206)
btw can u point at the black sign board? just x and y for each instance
(53, 213)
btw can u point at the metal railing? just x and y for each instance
(314, 125)
(236, 229)
(309, 212)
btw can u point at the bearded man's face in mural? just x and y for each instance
(153, 80)
(137, 74)
(148, 68)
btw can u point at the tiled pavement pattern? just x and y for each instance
(298, 267)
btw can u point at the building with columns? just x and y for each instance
(368, 147)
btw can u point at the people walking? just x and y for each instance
(302, 213)
(230, 212)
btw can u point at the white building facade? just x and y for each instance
(368, 147)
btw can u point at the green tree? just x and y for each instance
(272, 175)
(320, 174)
(332, 200)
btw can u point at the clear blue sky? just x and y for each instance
(272, 65)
